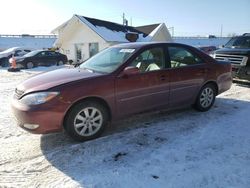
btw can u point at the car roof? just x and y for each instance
(44, 51)
(12, 49)
(143, 44)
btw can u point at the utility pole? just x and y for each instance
(123, 18)
(131, 21)
(221, 30)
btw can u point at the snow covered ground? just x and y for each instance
(183, 148)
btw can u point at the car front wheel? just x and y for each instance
(206, 98)
(87, 120)
(59, 63)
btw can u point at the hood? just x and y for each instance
(234, 51)
(20, 58)
(54, 78)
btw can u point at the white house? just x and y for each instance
(82, 37)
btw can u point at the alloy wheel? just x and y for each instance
(88, 121)
(206, 97)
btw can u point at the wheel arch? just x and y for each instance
(197, 104)
(213, 83)
(93, 99)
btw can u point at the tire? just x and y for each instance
(86, 121)
(59, 63)
(5, 62)
(29, 65)
(205, 98)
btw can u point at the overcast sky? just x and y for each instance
(188, 17)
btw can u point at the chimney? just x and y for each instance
(132, 37)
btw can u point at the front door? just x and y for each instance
(147, 89)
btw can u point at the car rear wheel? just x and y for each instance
(59, 63)
(87, 120)
(30, 65)
(206, 98)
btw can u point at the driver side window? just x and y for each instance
(150, 60)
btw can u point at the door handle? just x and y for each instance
(162, 77)
(202, 71)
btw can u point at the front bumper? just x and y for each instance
(47, 118)
(241, 72)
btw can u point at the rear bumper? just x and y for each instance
(48, 120)
(224, 82)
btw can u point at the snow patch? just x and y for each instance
(181, 148)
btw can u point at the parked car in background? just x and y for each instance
(15, 51)
(211, 36)
(207, 49)
(41, 58)
(120, 81)
(237, 51)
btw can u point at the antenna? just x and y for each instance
(124, 20)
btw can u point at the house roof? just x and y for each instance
(114, 32)
(110, 31)
(113, 26)
(147, 29)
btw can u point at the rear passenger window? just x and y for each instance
(181, 57)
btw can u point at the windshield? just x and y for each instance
(239, 42)
(30, 54)
(108, 60)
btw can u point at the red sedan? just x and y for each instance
(119, 81)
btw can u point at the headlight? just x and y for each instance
(38, 98)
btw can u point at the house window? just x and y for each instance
(93, 49)
(67, 52)
(78, 49)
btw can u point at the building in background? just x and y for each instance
(27, 41)
(82, 37)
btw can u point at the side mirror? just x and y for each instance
(130, 71)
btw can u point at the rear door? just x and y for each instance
(42, 59)
(53, 57)
(187, 74)
(147, 89)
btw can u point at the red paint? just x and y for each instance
(124, 92)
